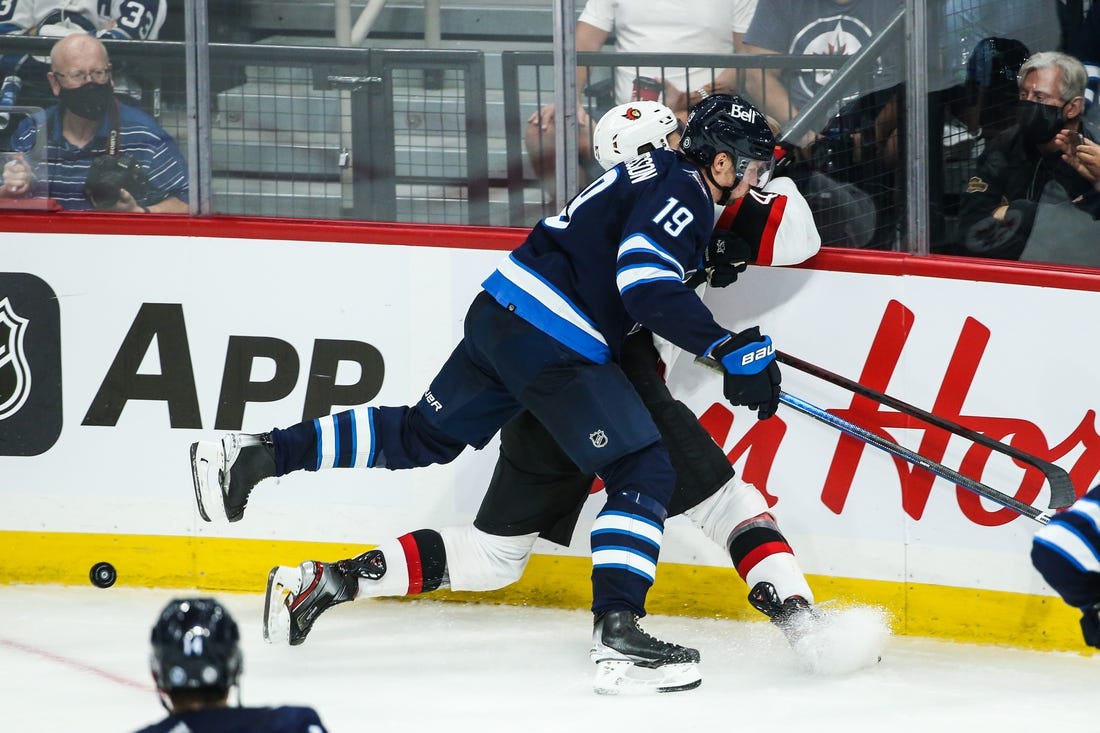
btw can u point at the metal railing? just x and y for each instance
(274, 146)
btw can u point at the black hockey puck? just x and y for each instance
(103, 575)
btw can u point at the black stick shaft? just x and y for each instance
(1062, 493)
(914, 458)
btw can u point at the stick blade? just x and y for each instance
(1062, 493)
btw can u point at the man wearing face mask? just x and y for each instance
(1024, 166)
(102, 154)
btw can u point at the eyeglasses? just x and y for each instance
(80, 77)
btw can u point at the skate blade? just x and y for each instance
(283, 584)
(623, 677)
(208, 497)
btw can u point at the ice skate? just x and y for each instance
(826, 641)
(296, 596)
(242, 461)
(630, 661)
(794, 616)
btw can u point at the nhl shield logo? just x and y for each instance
(598, 438)
(15, 373)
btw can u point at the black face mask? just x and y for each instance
(1039, 123)
(89, 101)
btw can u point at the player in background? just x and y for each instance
(196, 664)
(1066, 552)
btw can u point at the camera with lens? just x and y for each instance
(108, 175)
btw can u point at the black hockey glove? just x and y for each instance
(1090, 624)
(726, 257)
(751, 374)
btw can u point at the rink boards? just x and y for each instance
(123, 349)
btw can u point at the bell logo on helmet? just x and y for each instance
(742, 112)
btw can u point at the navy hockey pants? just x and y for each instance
(502, 366)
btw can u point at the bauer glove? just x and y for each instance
(751, 374)
(727, 255)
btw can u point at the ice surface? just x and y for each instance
(76, 659)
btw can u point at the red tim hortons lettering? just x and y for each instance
(761, 442)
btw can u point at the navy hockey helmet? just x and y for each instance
(195, 646)
(724, 123)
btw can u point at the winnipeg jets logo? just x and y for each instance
(15, 373)
(598, 438)
(838, 35)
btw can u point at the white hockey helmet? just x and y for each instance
(630, 129)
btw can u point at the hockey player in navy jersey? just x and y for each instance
(196, 664)
(537, 491)
(1067, 554)
(546, 336)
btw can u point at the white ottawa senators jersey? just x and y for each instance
(776, 221)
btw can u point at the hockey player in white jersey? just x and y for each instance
(494, 550)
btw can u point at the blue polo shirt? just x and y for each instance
(139, 137)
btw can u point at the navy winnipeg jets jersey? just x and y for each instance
(617, 256)
(286, 719)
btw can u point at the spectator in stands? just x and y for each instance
(848, 169)
(86, 130)
(697, 26)
(196, 663)
(801, 27)
(1087, 49)
(1024, 166)
(1081, 153)
(992, 85)
(106, 19)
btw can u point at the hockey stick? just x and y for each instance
(1062, 493)
(900, 451)
(1043, 517)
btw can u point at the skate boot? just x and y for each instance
(794, 616)
(296, 596)
(628, 660)
(242, 460)
(829, 642)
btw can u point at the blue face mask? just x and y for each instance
(1039, 123)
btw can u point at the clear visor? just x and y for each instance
(757, 172)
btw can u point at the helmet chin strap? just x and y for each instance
(727, 191)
